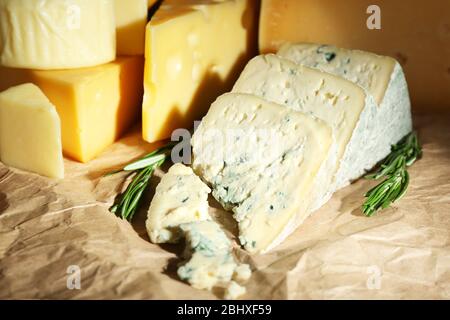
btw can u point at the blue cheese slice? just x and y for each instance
(209, 261)
(381, 76)
(372, 72)
(364, 132)
(262, 160)
(180, 197)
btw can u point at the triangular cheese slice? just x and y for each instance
(262, 161)
(364, 134)
(381, 76)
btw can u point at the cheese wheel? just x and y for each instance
(55, 34)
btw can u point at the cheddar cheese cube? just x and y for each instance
(96, 105)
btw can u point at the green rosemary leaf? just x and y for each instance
(140, 164)
(142, 170)
(404, 186)
(132, 201)
(394, 170)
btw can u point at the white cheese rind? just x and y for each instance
(391, 122)
(180, 197)
(381, 76)
(261, 160)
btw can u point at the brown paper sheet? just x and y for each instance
(47, 226)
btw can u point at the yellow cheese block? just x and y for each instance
(194, 52)
(30, 131)
(414, 32)
(131, 19)
(96, 105)
(55, 34)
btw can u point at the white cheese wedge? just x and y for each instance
(180, 197)
(209, 261)
(30, 131)
(261, 160)
(55, 34)
(381, 76)
(364, 132)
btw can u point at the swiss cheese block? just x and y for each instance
(194, 52)
(261, 159)
(415, 32)
(96, 105)
(180, 197)
(364, 130)
(131, 19)
(55, 34)
(30, 131)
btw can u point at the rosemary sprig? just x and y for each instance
(394, 170)
(143, 169)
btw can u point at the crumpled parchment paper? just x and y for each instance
(50, 228)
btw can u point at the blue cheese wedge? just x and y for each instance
(261, 160)
(364, 130)
(381, 76)
(209, 261)
(180, 197)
